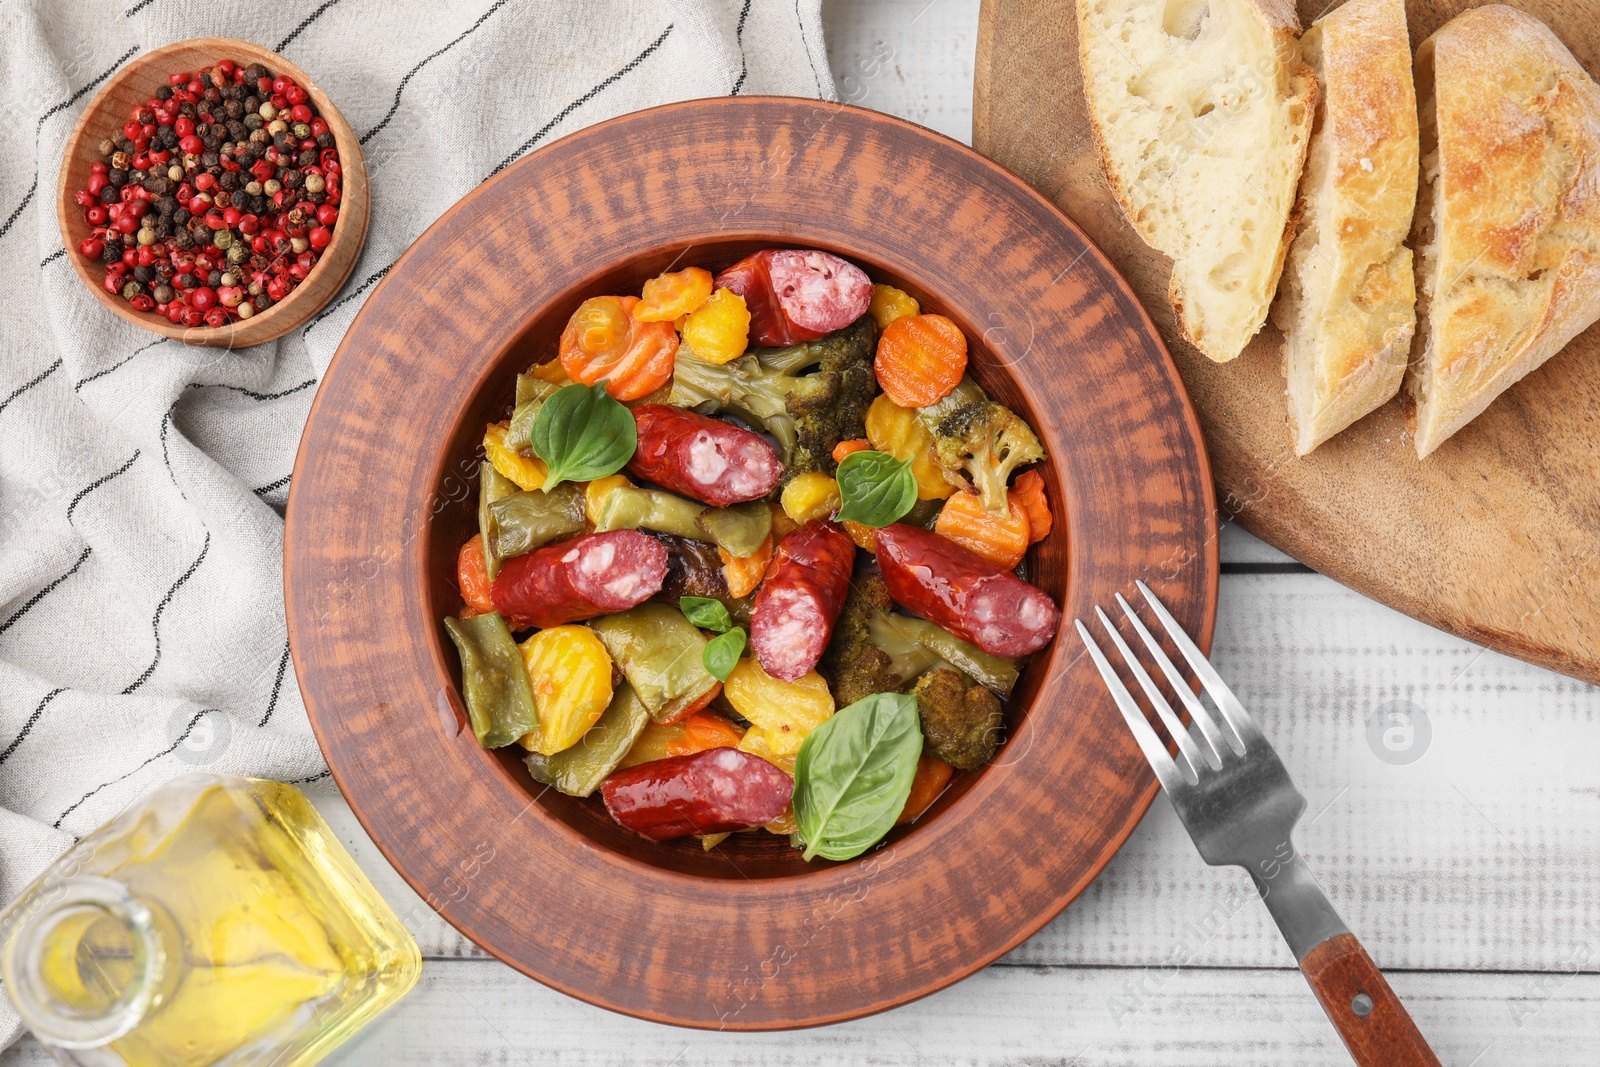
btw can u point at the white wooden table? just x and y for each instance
(1472, 874)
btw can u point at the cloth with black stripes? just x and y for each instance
(142, 481)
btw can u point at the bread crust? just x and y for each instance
(1509, 269)
(1293, 83)
(1347, 303)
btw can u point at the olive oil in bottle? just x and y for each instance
(217, 921)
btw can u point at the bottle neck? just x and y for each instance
(84, 960)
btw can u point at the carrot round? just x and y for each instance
(1000, 539)
(472, 575)
(844, 448)
(920, 359)
(667, 296)
(604, 340)
(703, 730)
(933, 774)
(1029, 492)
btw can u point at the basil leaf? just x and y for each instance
(582, 433)
(853, 775)
(876, 488)
(722, 655)
(706, 613)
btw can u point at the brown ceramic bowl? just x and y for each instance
(746, 936)
(108, 112)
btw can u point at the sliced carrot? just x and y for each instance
(1029, 492)
(999, 539)
(744, 573)
(666, 296)
(865, 537)
(844, 448)
(699, 705)
(920, 359)
(472, 575)
(704, 730)
(933, 774)
(604, 341)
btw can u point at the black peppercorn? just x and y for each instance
(166, 205)
(183, 238)
(163, 228)
(108, 195)
(164, 93)
(281, 141)
(258, 205)
(233, 109)
(292, 179)
(112, 253)
(251, 103)
(326, 140)
(205, 79)
(213, 95)
(187, 110)
(238, 130)
(229, 180)
(200, 232)
(117, 177)
(259, 262)
(212, 142)
(163, 294)
(316, 198)
(143, 274)
(233, 92)
(186, 280)
(169, 140)
(122, 143)
(158, 185)
(210, 159)
(254, 72)
(214, 279)
(308, 158)
(240, 199)
(180, 215)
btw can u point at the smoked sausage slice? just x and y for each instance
(955, 587)
(706, 459)
(587, 576)
(712, 792)
(795, 610)
(797, 294)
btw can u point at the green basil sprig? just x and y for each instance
(706, 613)
(876, 488)
(853, 775)
(722, 653)
(583, 433)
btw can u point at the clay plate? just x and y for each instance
(746, 936)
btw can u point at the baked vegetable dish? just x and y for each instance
(758, 534)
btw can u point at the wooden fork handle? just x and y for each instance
(1369, 1017)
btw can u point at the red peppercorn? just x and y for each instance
(174, 312)
(203, 298)
(83, 199)
(136, 208)
(146, 256)
(142, 302)
(216, 317)
(191, 145)
(231, 217)
(96, 183)
(191, 317)
(277, 288)
(225, 67)
(281, 83)
(125, 224)
(91, 247)
(320, 237)
(178, 79)
(215, 221)
(96, 215)
(296, 95)
(205, 181)
(264, 170)
(112, 284)
(319, 126)
(300, 112)
(327, 213)
(129, 257)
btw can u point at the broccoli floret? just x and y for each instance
(853, 664)
(807, 414)
(960, 722)
(980, 438)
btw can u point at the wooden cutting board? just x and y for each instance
(1495, 537)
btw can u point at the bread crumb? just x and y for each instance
(1366, 164)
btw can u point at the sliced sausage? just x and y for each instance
(715, 791)
(706, 459)
(797, 294)
(806, 585)
(955, 587)
(587, 576)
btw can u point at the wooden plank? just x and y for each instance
(1480, 855)
(481, 1013)
(1445, 540)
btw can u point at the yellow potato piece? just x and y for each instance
(719, 330)
(812, 495)
(889, 303)
(527, 471)
(571, 674)
(895, 430)
(595, 493)
(781, 713)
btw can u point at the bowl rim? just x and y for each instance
(1206, 554)
(339, 258)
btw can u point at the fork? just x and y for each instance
(1239, 805)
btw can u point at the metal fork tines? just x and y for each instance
(1227, 785)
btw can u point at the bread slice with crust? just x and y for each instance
(1202, 110)
(1347, 304)
(1508, 228)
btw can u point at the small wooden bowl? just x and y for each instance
(747, 936)
(108, 112)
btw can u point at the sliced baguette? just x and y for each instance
(1347, 305)
(1202, 110)
(1508, 229)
